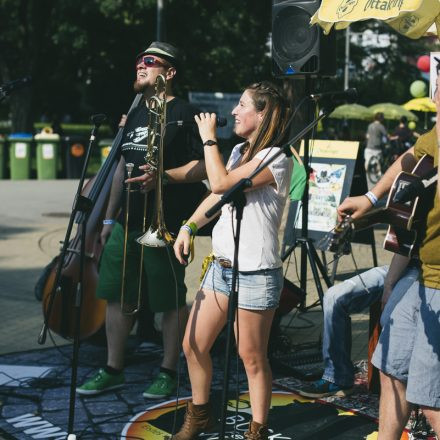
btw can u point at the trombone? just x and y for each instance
(126, 307)
(157, 234)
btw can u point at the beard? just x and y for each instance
(140, 88)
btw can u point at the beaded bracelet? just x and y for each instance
(371, 197)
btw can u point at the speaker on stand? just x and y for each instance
(300, 50)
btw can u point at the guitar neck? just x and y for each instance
(371, 218)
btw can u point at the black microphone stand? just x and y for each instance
(236, 196)
(83, 206)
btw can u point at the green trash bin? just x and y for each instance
(47, 154)
(106, 146)
(2, 157)
(20, 155)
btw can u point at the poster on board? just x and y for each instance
(332, 164)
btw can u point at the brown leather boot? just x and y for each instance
(256, 431)
(198, 419)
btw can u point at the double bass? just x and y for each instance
(60, 316)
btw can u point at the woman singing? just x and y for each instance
(261, 117)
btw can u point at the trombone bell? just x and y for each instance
(156, 238)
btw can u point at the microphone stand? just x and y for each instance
(84, 206)
(236, 196)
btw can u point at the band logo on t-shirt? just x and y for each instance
(134, 139)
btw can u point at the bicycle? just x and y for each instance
(379, 163)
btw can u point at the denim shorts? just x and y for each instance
(409, 345)
(257, 290)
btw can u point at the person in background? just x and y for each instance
(403, 136)
(377, 137)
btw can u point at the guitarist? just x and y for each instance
(342, 300)
(408, 352)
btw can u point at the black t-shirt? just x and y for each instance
(181, 145)
(404, 133)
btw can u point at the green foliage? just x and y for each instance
(81, 54)
(383, 74)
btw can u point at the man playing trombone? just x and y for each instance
(170, 191)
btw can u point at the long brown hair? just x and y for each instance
(272, 131)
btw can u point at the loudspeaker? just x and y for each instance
(297, 47)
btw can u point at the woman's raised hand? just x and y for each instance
(207, 123)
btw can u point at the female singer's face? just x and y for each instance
(247, 118)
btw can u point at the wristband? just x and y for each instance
(191, 228)
(371, 197)
(108, 221)
(187, 229)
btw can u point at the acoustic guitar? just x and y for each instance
(406, 220)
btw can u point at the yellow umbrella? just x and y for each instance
(408, 17)
(392, 111)
(352, 111)
(420, 105)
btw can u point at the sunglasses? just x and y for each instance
(150, 61)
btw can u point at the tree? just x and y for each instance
(81, 54)
(24, 37)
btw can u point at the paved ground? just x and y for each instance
(33, 219)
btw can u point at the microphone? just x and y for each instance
(349, 95)
(220, 120)
(16, 84)
(98, 119)
(416, 188)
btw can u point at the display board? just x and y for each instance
(331, 173)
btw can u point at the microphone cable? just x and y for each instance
(180, 340)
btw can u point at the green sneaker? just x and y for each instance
(101, 382)
(163, 386)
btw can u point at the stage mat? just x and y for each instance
(363, 403)
(35, 389)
